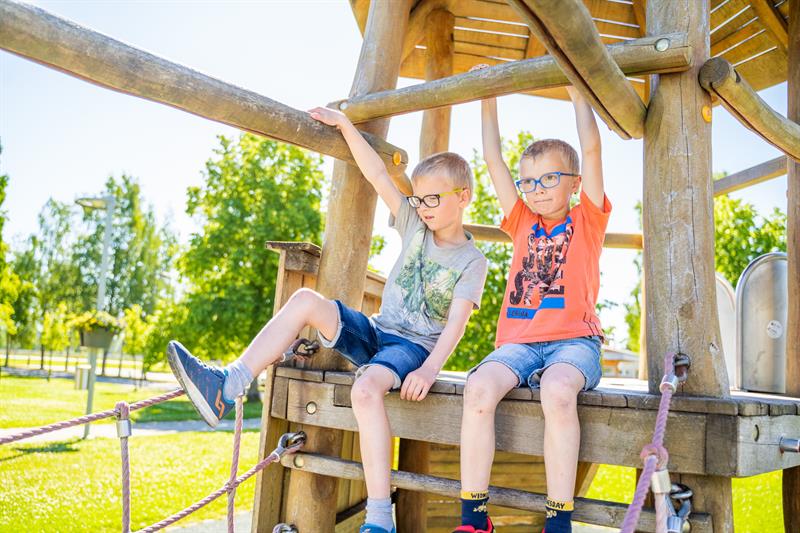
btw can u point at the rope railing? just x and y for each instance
(288, 444)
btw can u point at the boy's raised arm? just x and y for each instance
(369, 162)
(492, 154)
(589, 136)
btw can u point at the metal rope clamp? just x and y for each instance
(680, 371)
(290, 443)
(300, 348)
(680, 508)
(285, 528)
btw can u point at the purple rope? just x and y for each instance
(87, 418)
(237, 437)
(123, 411)
(653, 454)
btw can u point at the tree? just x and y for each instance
(255, 190)
(55, 333)
(10, 284)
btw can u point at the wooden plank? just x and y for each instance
(491, 26)
(312, 499)
(586, 510)
(35, 34)
(507, 54)
(483, 232)
(750, 48)
(719, 77)
(317, 376)
(764, 71)
(567, 31)
(491, 39)
(681, 310)
(610, 435)
(751, 176)
(772, 21)
(725, 12)
(635, 57)
(742, 33)
(756, 445)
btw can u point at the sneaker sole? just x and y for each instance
(196, 397)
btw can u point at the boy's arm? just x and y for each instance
(492, 154)
(369, 162)
(418, 383)
(589, 135)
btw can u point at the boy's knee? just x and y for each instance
(305, 298)
(480, 395)
(558, 393)
(366, 391)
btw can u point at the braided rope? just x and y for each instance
(653, 454)
(87, 418)
(237, 437)
(123, 412)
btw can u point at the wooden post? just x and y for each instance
(311, 500)
(414, 456)
(791, 476)
(681, 310)
(35, 34)
(567, 30)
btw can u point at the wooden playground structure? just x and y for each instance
(651, 69)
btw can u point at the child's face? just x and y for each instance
(553, 202)
(451, 204)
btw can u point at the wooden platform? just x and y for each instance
(733, 437)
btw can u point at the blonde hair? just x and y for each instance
(567, 152)
(450, 164)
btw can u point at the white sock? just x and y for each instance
(239, 378)
(379, 513)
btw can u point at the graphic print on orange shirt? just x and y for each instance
(539, 283)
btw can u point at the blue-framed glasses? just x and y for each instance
(547, 181)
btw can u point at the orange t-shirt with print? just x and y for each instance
(554, 279)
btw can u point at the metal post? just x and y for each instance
(101, 297)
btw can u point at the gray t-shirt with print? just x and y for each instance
(425, 279)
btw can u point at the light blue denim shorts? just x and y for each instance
(529, 361)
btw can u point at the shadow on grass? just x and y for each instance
(67, 446)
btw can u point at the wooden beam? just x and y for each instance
(772, 21)
(414, 455)
(311, 500)
(791, 477)
(567, 30)
(635, 58)
(597, 512)
(720, 78)
(484, 232)
(751, 176)
(35, 34)
(681, 310)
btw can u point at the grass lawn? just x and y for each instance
(29, 401)
(757, 504)
(75, 485)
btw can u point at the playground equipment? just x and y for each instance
(647, 70)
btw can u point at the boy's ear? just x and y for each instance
(576, 184)
(466, 197)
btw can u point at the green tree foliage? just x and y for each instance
(478, 340)
(136, 329)
(55, 333)
(141, 251)
(10, 284)
(255, 190)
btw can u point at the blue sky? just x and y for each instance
(63, 137)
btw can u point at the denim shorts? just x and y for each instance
(363, 344)
(529, 361)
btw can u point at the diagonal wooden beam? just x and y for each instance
(772, 21)
(750, 176)
(648, 55)
(35, 34)
(718, 77)
(567, 30)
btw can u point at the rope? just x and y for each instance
(653, 454)
(87, 418)
(237, 437)
(123, 412)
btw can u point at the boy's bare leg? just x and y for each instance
(485, 388)
(373, 425)
(305, 308)
(561, 384)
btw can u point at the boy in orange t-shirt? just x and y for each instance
(548, 333)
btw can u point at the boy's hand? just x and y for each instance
(418, 383)
(328, 116)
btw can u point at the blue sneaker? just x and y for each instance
(202, 383)
(369, 528)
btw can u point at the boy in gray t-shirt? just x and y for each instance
(431, 291)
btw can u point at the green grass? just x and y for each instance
(757, 504)
(75, 485)
(29, 401)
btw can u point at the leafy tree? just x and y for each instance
(10, 284)
(55, 333)
(255, 190)
(136, 330)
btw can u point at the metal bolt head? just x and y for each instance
(311, 408)
(299, 462)
(662, 44)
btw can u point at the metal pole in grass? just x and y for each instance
(106, 203)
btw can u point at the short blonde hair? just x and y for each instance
(562, 148)
(451, 165)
